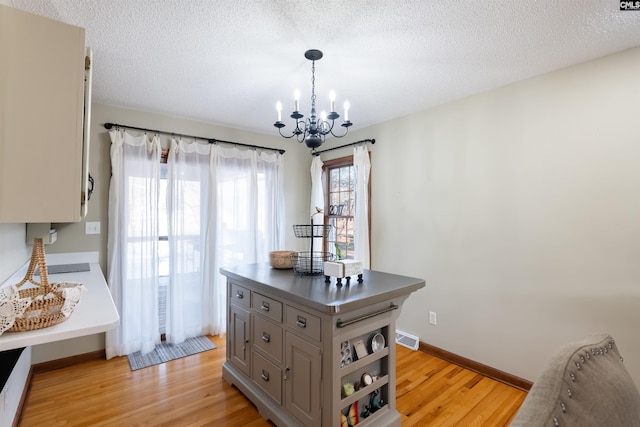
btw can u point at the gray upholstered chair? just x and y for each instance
(583, 384)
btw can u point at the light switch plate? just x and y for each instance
(92, 227)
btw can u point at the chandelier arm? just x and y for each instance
(346, 130)
(285, 136)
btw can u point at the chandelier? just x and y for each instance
(313, 129)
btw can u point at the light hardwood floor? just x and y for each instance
(191, 392)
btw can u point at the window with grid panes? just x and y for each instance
(339, 205)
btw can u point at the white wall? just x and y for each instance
(520, 208)
(13, 250)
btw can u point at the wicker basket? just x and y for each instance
(47, 301)
(280, 259)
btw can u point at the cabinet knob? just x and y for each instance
(239, 294)
(266, 337)
(265, 306)
(265, 375)
(286, 373)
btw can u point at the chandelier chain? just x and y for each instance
(313, 82)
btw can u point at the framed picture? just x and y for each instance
(361, 349)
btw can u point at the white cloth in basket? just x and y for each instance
(11, 306)
(72, 293)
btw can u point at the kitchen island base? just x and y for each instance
(304, 352)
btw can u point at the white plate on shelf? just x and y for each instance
(377, 343)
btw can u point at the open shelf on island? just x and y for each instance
(365, 391)
(354, 366)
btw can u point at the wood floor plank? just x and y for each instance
(191, 392)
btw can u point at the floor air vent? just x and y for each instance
(407, 340)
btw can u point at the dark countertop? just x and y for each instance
(313, 292)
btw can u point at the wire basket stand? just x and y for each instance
(310, 263)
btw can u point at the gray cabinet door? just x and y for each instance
(239, 349)
(303, 366)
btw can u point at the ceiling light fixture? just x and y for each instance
(314, 129)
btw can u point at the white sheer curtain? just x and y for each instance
(191, 295)
(132, 270)
(251, 206)
(317, 200)
(362, 167)
(225, 207)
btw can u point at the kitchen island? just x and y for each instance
(307, 352)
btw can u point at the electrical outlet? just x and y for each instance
(92, 228)
(433, 318)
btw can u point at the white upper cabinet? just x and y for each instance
(42, 71)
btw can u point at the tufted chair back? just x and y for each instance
(583, 384)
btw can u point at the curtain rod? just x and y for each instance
(210, 140)
(362, 141)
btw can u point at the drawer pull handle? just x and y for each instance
(265, 375)
(265, 306)
(342, 323)
(266, 337)
(301, 322)
(239, 294)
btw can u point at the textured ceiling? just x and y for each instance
(228, 61)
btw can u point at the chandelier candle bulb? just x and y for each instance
(346, 111)
(332, 97)
(279, 110)
(296, 98)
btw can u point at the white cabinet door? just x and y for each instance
(41, 118)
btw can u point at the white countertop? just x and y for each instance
(96, 312)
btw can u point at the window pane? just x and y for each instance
(345, 199)
(352, 179)
(334, 184)
(345, 179)
(339, 213)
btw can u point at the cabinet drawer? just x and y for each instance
(267, 376)
(240, 296)
(303, 322)
(267, 336)
(267, 306)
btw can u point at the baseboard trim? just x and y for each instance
(68, 361)
(487, 371)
